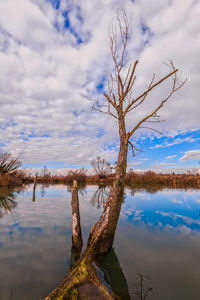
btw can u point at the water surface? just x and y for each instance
(158, 235)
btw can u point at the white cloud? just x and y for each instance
(136, 163)
(171, 156)
(177, 201)
(175, 142)
(162, 164)
(191, 155)
(44, 73)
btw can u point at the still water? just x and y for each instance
(158, 237)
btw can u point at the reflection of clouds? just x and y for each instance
(177, 201)
(140, 195)
(130, 214)
(169, 257)
(175, 217)
(138, 215)
(184, 229)
(166, 210)
(36, 241)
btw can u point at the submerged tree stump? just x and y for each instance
(77, 241)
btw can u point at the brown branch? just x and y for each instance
(144, 97)
(133, 148)
(131, 79)
(124, 34)
(105, 112)
(110, 101)
(153, 114)
(129, 107)
(147, 127)
(127, 74)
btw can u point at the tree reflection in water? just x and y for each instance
(7, 201)
(142, 289)
(100, 196)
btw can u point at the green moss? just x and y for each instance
(74, 294)
(70, 290)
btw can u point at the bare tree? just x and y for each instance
(45, 172)
(119, 102)
(8, 163)
(101, 167)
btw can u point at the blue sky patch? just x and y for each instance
(55, 3)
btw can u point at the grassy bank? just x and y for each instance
(14, 179)
(144, 180)
(162, 180)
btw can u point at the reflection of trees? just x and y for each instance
(114, 276)
(81, 188)
(7, 201)
(43, 189)
(100, 196)
(142, 288)
(151, 189)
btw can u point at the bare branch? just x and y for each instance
(131, 79)
(133, 148)
(153, 114)
(143, 98)
(104, 112)
(128, 108)
(123, 33)
(110, 101)
(153, 129)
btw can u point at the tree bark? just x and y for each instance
(102, 234)
(77, 241)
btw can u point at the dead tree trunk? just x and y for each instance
(102, 233)
(118, 102)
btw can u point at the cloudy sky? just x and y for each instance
(54, 54)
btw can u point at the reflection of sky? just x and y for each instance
(35, 240)
(167, 210)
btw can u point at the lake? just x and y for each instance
(157, 240)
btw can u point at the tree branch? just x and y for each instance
(153, 114)
(129, 107)
(133, 148)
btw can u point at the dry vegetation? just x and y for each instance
(17, 178)
(146, 180)
(151, 178)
